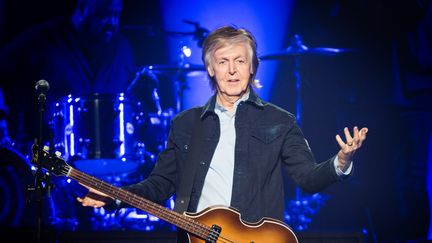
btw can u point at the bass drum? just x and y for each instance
(18, 205)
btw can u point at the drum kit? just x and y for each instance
(117, 137)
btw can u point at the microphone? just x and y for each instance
(42, 86)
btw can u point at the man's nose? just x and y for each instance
(232, 68)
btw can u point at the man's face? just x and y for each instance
(232, 70)
(104, 22)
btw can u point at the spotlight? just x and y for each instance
(186, 51)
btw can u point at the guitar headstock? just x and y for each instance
(51, 162)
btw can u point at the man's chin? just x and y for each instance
(235, 94)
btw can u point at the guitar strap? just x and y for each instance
(182, 201)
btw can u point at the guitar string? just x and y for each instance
(204, 230)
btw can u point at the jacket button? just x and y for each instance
(186, 147)
(203, 163)
(181, 201)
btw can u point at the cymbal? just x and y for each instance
(319, 51)
(297, 48)
(188, 67)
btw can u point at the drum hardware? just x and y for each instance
(144, 88)
(110, 136)
(104, 134)
(297, 48)
(98, 132)
(178, 78)
(175, 82)
(199, 34)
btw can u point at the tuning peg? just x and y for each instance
(58, 153)
(46, 148)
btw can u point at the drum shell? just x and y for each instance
(97, 127)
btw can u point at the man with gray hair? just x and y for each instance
(233, 150)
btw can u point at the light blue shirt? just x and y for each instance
(218, 183)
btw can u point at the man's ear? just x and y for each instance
(210, 71)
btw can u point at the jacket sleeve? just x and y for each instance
(300, 163)
(160, 184)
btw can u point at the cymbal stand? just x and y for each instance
(298, 206)
(179, 86)
(297, 46)
(180, 79)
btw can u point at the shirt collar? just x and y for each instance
(253, 98)
(223, 109)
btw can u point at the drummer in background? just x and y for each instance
(81, 54)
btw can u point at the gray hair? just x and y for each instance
(225, 36)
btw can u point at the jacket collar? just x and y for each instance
(209, 107)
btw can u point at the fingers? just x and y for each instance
(348, 137)
(362, 135)
(356, 134)
(340, 142)
(355, 141)
(88, 202)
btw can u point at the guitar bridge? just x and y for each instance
(214, 234)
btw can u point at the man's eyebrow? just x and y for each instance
(226, 58)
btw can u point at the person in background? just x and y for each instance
(81, 54)
(236, 146)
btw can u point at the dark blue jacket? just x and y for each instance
(267, 141)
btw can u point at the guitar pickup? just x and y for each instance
(214, 234)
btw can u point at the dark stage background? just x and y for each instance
(382, 80)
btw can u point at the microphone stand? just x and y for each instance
(41, 184)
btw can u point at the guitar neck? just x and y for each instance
(136, 201)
